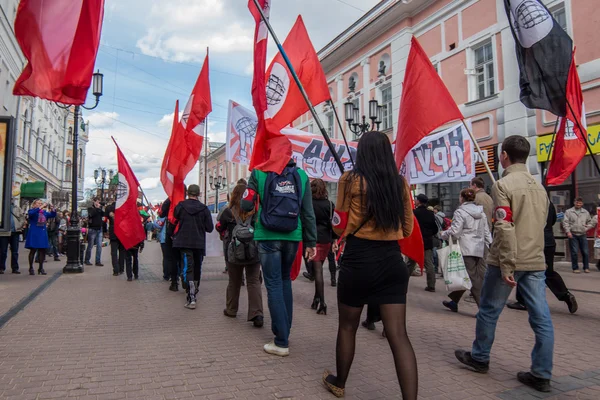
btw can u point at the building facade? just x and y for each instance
(472, 48)
(43, 131)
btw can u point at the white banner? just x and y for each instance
(447, 156)
(241, 131)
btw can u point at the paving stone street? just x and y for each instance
(93, 336)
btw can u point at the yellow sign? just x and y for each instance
(543, 143)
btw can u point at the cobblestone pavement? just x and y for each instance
(95, 336)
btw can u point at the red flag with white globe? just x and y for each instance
(128, 223)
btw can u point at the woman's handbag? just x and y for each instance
(453, 266)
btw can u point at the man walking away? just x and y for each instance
(94, 229)
(516, 256)
(576, 223)
(429, 229)
(17, 220)
(161, 228)
(171, 254)
(194, 221)
(132, 261)
(285, 218)
(53, 224)
(483, 199)
(553, 279)
(117, 251)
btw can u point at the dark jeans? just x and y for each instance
(167, 261)
(13, 241)
(553, 279)
(132, 263)
(53, 241)
(277, 258)
(117, 254)
(579, 242)
(175, 265)
(192, 259)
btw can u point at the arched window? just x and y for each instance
(24, 128)
(68, 171)
(80, 166)
(70, 136)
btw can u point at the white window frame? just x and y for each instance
(472, 76)
(554, 8)
(330, 124)
(390, 112)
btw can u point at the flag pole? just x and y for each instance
(341, 130)
(587, 143)
(485, 163)
(206, 160)
(336, 156)
(550, 151)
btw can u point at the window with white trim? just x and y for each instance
(330, 125)
(560, 15)
(485, 82)
(386, 111)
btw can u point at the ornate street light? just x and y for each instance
(353, 117)
(101, 179)
(216, 183)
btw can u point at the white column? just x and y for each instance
(366, 85)
(400, 49)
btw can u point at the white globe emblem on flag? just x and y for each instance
(336, 220)
(122, 191)
(531, 21)
(277, 90)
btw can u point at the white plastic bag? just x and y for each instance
(453, 267)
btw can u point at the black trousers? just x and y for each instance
(553, 279)
(175, 259)
(167, 263)
(332, 264)
(117, 255)
(132, 263)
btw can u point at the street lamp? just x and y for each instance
(216, 183)
(74, 262)
(100, 178)
(353, 117)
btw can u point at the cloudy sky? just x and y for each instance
(151, 53)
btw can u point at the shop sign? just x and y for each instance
(490, 153)
(544, 143)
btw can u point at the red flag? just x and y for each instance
(426, 103)
(570, 145)
(60, 40)
(128, 225)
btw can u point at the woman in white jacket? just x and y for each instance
(470, 227)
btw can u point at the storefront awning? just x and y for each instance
(544, 143)
(33, 190)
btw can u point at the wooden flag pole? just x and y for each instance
(335, 155)
(485, 163)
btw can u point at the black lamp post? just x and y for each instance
(216, 183)
(353, 117)
(74, 262)
(101, 179)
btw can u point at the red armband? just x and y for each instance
(503, 214)
(339, 220)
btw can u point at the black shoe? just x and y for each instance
(465, 358)
(333, 281)
(322, 309)
(539, 384)
(31, 271)
(1, 272)
(99, 265)
(129, 279)
(136, 276)
(42, 272)
(174, 287)
(451, 305)
(571, 303)
(15, 272)
(88, 263)
(369, 325)
(430, 289)
(229, 315)
(517, 306)
(315, 303)
(598, 265)
(258, 321)
(56, 259)
(115, 274)
(308, 276)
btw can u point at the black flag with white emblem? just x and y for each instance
(544, 52)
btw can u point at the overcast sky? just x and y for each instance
(151, 54)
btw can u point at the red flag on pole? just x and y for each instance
(128, 224)
(60, 40)
(570, 145)
(426, 103)
(413, 246)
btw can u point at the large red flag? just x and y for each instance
(128, 224)
(426, 103)
(60, 40)
(570, 145)
(413, 246)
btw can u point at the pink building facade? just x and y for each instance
(470, 44)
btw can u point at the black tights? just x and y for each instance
(319, 282)
(41, 257)
(394, 322)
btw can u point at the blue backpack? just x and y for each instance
(282, 201)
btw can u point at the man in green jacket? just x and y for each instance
(278, 195)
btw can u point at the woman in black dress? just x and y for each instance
(376, 201)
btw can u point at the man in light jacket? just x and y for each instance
(576, 223)
(483, 199)
(516, 255)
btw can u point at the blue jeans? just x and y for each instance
(94, 239)
(277, 258)
(579, 242)
(495, 292)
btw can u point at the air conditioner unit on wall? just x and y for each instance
(470, 71)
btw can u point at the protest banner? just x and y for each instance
(446, 156)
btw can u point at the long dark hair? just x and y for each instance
(236, 199)
(375, 167)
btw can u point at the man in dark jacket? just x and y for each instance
(194, 221)
(95, 215)
(429, 229)
(172, 256)
(117, 251)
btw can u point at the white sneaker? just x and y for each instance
(272, 348)
(191, 305)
